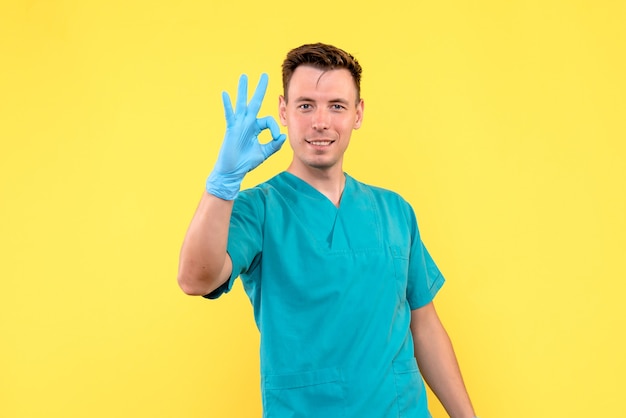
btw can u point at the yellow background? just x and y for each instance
(502, 122)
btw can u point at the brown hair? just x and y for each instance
(322, 56)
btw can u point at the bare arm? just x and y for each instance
(437, 361)
(204, 264)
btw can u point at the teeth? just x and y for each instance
(320, 142)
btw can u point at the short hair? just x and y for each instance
(324, 57)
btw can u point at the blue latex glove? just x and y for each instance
(241, 150)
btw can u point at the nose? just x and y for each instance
(320, 119)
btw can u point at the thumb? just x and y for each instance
(274, 145)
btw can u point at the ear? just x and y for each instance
(359, 114)
(282, 110)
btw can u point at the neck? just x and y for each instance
(329, 182)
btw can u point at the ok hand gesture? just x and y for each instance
(241, 150)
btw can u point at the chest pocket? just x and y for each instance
(317, 393)
(401, 270)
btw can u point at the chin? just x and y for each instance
(322, 165)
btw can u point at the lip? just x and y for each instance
(319, 142)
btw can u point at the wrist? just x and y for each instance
(224, 186)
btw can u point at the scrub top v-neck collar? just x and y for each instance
(311, 192)
(338, 224)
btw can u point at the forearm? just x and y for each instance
(204, 264)
(438, 364)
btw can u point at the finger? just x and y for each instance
(242, 94)
(278, 139)
(228, 108)
(270, 123)
(259, 93)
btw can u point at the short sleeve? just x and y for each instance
(424, 279)
(245, 237)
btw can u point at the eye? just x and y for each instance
(304, 106)
(337, 106)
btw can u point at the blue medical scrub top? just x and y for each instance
(332, 290)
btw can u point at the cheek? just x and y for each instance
(347, 125)
(297, 122)
(294, 127)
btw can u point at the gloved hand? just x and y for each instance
(241, 150)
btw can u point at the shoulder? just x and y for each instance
(395, 215)
(390, 205)
(260, 195)
(381, 195)
(262, 189)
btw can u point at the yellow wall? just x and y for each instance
(502, 122)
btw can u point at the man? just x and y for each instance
(339, 279)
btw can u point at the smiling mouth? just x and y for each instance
(320, 143)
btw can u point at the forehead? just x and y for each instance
(312, 82)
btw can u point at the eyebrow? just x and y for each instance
(308, 99)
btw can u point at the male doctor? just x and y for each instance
(340, 281)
